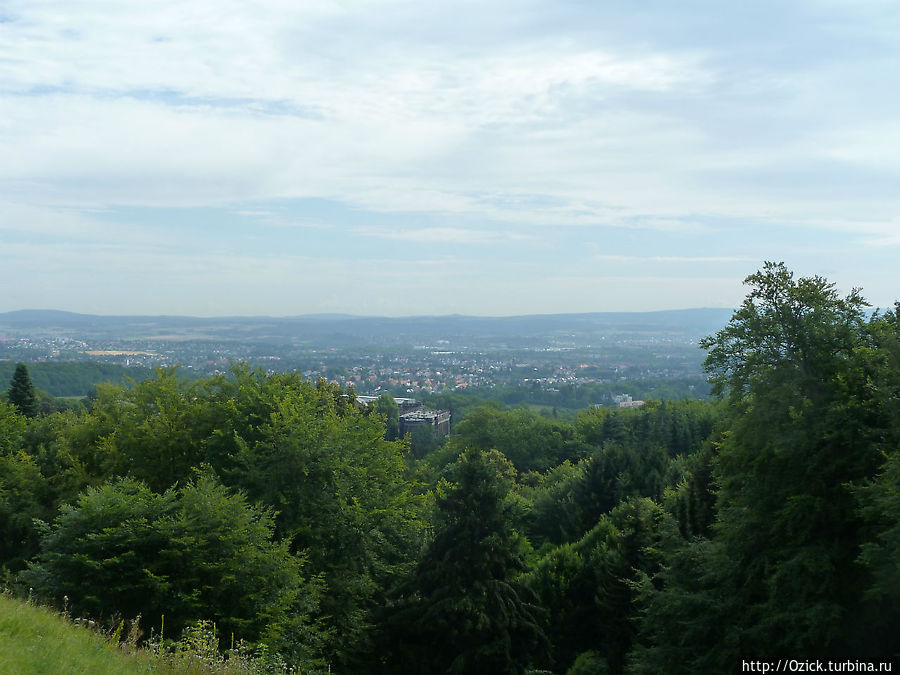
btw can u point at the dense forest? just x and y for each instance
(568, 398)
(74, 378)
(680, 537)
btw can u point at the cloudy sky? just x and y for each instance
(282, 157)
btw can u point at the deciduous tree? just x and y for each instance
(805, 420)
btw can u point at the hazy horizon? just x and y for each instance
(342, 315)
(396, 158)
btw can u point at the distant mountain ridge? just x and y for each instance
(688, 323)
(43, 315)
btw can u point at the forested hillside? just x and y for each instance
(679, 537)
(74, 378)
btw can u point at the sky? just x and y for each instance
(490, 157)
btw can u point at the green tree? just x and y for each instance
(339, 488)
(12, 429)
(805, 420)
(879, 497)
(23, 497)
(425, 440)
(198, 553)
(551, 512)
(528, 440)
(387, 406)
(465, 610)
(39, 469)
(339, 491)
(22, 393)
(690, 495)
(880, 555)
(586, 587)
(156, 430)
(795, 362)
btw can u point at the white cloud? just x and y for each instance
(55, 224)
(671, 259)
(866, 146)
(499, 117)
(448, 235)
(160, 104)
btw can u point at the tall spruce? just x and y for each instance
(464, 609)
(22, 393)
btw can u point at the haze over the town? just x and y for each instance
(401, 158)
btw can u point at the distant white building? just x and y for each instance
(625, 401)
(404, 404)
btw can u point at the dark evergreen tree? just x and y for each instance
(691, 496)
(586, 587)
(22, 393)
(464, 610)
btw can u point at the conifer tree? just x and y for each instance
(387, 406)
(22, 393)
(464, 609)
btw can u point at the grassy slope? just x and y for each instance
(38, 640)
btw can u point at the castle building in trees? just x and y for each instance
(438, 419)
(413, 415)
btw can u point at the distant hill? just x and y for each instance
(686, 323)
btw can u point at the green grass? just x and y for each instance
(39, 640)
(35, 639)
(71, 400)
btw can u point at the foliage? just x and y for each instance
(199, 650)
(585, 589)
(186, 554)
(785, 328)
(805, 420)
(76, 378)
(12, 429)
(22, 500)
(572, 397)
(460, 404)
(464, 610)
(680, 427)
(154, 431)
(794, 360)
(339, 488)
(633, 453)
(552, 511)
(387, 406)
(879, 503)
(426, 441)
(680, 536)
(528, 440)
(22, 393)
(690, 495)
(588, 663)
